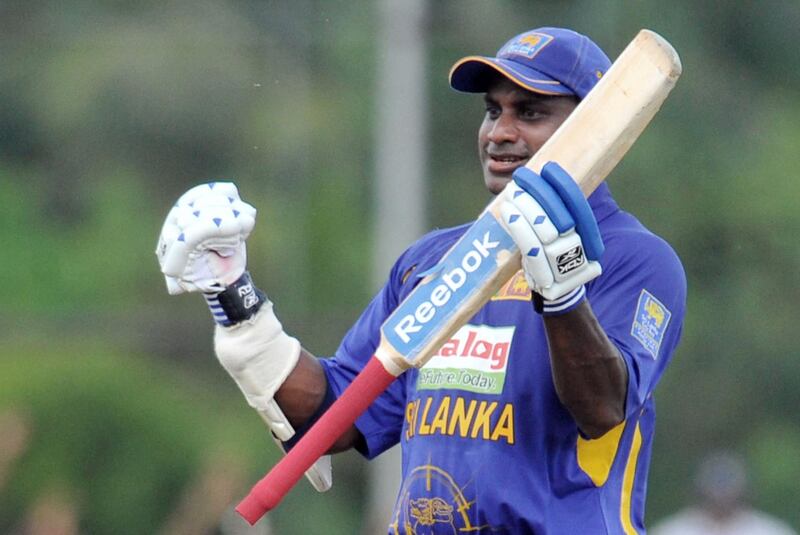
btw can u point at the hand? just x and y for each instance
(557, 234)
(202, 249)
(202, 243)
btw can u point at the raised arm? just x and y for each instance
(202, 249)
(561, 246)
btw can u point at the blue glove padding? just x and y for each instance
(564, 202)
(556, 231)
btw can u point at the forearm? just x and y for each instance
(302, 394)
(589, 374)
(202, 249)
(561, 248)
(282, 381)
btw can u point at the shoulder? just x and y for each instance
(642, 275)
(633, 248)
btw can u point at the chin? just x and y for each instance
(496, 183)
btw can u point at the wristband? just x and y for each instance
(559, 306)
(238, 302)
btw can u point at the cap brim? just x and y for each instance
(474, 74)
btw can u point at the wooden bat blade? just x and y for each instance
(598, 133)
(589, 144)
(592, 140)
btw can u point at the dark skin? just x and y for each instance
(589, 375)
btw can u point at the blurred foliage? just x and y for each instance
(110, 110)
(123, 437)
(120, 435)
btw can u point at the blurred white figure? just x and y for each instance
(232, 524)
(722, 509)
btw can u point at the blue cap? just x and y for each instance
(552, 61)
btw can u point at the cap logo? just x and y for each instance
(527, 45)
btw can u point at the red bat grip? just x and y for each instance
(267, 493)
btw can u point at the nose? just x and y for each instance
(503, 129)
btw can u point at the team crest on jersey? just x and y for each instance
(527, 45)
(474, 359)
(650, 322)
(516, 289)
(431, 501)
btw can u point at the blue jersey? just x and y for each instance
(487, 446)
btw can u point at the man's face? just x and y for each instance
(516, 125)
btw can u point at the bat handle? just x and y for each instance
(270, 490)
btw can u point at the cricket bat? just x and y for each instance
(588, 145)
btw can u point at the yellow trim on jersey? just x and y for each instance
(595, 457)
(627, 484)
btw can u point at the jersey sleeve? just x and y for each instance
(382, 421)
(640, 301)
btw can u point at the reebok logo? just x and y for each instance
(452, 281)
(248, 295)
(444, 289)
(570, 260)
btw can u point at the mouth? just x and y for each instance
(505, 164)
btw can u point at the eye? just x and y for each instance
(532, 113)
(492, 111)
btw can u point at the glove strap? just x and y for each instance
(238, 302)
(559, 306)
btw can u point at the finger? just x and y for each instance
(222, 195)
(535, 215)
(172, 215)
(545, 195)
(226, 189)
(169, 235)
(246, 215)
(224, 251)
(193, 194)
(173, 288)
(578, 206)
(210, 230)
(230, 218)
(175, 258)
(205, 217)
(169, 231)
(216, 229)
(245, 208)
(534, 261)
(178, 252)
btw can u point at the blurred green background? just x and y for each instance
(113, 411)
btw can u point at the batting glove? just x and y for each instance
(202, 243)
(202, 249)
(556, 232)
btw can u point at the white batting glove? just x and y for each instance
(202, 243)
(555, 260)
(202, 249)
(259, 356)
